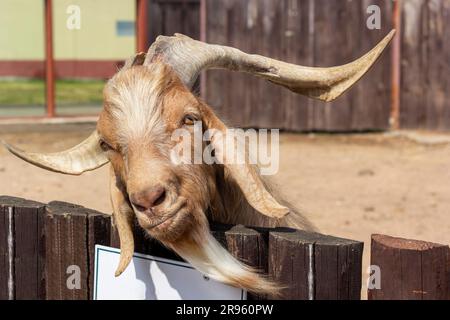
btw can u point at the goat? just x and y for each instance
(144, 103)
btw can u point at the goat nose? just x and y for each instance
(148, 199)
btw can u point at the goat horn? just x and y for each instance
(83, 157)
(189, 57)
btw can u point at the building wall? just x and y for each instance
(93, 51)
(97, 38)
(21, 30)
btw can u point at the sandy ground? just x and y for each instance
(348, 185)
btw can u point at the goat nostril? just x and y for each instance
(145, 201)
(160, 199)
(138, 207)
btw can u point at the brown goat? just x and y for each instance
(144, 103)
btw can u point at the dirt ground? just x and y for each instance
(348, 185)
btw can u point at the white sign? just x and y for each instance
(153, 278)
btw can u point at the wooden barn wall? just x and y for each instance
(306, 32)
(425, 88)
(167, 17)
(320, 33)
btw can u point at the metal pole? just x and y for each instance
(396, 67)
(141, 25)
(49, 62)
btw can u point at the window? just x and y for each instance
(125, 28)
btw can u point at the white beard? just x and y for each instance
(208, 256)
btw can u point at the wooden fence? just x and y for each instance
(38, 242)
(320, 33)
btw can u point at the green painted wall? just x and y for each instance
(22, 30)
(97, 39)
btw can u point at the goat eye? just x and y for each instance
(189, 120)
(105, 146)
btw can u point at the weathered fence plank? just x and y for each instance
(247, 245)
(66, 246)
(99, 232)
(70, 240)
(21, 249)
(410, 269)
(315, 266)
(291, 263)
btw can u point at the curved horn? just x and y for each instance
(189, 57)
(83, 157)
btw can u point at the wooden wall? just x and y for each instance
(425, 89)
(306, 32)
(167, 17)
(320, 33)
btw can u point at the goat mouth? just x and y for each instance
(172, 212)
(162, 220)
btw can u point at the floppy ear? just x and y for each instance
(123, 220)
(245, 174)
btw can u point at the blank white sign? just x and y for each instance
(153, 278)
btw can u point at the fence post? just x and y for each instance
(71, 232)
(99, 232)
(313, 266)
(410, 269)
(22, 246)
(246, 244)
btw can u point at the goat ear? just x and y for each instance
(245, 174)
(123, 220)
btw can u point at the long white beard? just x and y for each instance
(208, 256)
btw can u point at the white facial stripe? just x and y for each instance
(135, 102)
